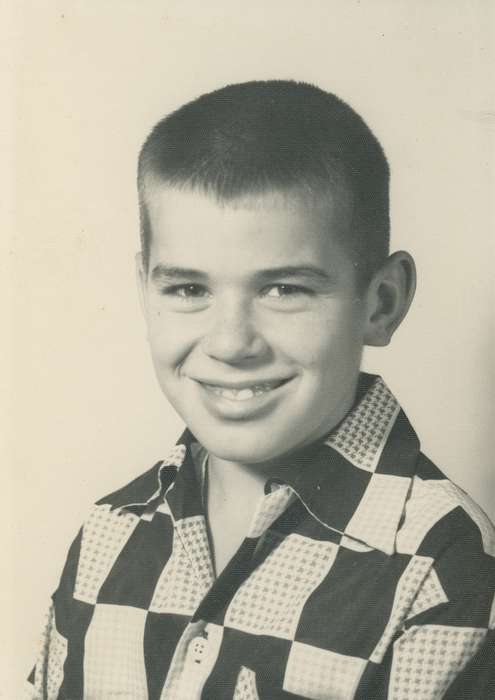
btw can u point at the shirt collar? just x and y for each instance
(356, 482)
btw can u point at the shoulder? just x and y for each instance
(139, 490)
(108, 533)
(442, 523)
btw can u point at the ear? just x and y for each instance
(389, 297)
(141, 279)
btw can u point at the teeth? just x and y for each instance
(242, 394)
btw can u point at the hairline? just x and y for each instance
(306, 189)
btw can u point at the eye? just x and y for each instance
(185, 291)
(285, 290)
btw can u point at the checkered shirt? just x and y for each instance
(365, 575)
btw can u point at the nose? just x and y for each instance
(233, 335)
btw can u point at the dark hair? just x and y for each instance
(252, 137)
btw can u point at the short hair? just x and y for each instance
(252, 137)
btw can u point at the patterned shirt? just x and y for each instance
(365, 575)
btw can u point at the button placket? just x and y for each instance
(193, 661)
(198, 649)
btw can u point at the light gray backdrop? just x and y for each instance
(89, 79)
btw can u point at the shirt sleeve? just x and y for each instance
(477, 680)
(46, 678)
(47, 674)
(446, 652)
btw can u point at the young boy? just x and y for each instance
(295, 543)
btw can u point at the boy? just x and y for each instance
(296, 543)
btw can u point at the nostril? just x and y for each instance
(234, 341)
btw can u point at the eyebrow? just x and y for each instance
(165, 272)
(161, 272)
(288, 271)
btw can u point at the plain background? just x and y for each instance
(86, 82)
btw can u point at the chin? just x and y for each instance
(244, 452)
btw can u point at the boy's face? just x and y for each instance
(254, 322)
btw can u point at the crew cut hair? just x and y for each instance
(250, 138)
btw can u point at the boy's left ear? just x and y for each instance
(389, 297)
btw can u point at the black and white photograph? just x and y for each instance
(248, 289)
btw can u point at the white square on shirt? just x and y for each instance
(104, 536)
(113, 658)
(320, 674)
(270, 601)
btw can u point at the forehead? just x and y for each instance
(258, 230)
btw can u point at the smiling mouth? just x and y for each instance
(244, 393)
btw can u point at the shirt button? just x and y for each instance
(198, 649)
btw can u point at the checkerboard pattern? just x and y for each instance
(365, 574)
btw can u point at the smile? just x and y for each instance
(243, 393)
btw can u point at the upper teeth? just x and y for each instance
(242, 394)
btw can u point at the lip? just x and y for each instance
(252, 407)
(243, 384)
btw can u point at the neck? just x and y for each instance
(228, 477)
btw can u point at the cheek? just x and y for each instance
(170, 341)
(324, 340)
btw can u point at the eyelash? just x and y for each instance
(175, 289)
(196, 291)
(290, 290)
